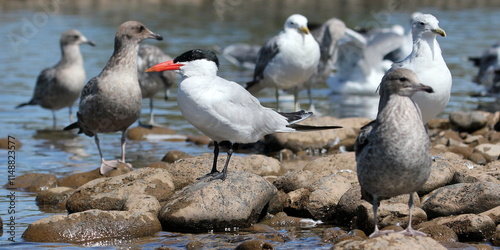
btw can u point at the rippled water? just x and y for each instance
(30, 34)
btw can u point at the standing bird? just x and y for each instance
(59, 86)
(287, 60)
(392, 152)
(151, 83)
(428, 64)
(489, 69)
(111, 101)
(224, 110)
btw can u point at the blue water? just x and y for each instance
(30, 42)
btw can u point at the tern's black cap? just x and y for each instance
(196, 54)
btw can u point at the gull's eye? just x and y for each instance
(141, 28)
(76, 37)
(403, 79)
(421, 23)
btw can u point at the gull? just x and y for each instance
(242, 55)
(111, 101)
(428, 64)
(489, 68)
(287, 60)
(59, 86)
(224, 110)
(151, 83)
(392, 152)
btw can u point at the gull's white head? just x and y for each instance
(426, 25)
(297, 22)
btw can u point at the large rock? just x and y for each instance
(391, 242)
(93, 225)
(341, 164)
(462, 198)
(320, 139)
(216, 205)
(53, 198)
(490, 151)
(469, 227)
(33, 182)
(112, 193)
(185, 171)
(295, 180)
(325, 195)
(469, 121)
(441, 174)
(78, 179)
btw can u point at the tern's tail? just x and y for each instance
(298, 116)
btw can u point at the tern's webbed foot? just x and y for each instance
(412, 232)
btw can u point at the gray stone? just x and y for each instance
(441, 174)
(112, 193)
(391, 242)
(469, 121)
(490, 151)
(92, 225)
(469, 227)
(462, 198)
(216, 205)
(325, 195)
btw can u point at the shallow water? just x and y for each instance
(30, 34)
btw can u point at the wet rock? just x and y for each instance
(494, 214)
(236, 202)
(296, 203)
(78, 179)
(33, 182)
(14, 143)
(388, 214)
(142, 133)
(254, 245)
(469, 227)
(441, 174)
(469, 121)
(320, 139)
(490, 151)
(330, 234)
(185, 171)
(438, 232)
(92, 225)
(462, 198)
(458, 245)
(283, 220)
(174, 155)
(54, 197)
(325, 195)
(392, 242)
(348, 206)
(112, 193)
(276, 204)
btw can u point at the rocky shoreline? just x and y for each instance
(315, 181)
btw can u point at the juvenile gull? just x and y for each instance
(287, 60)
(59, 86)
(224, 110)
(392, 152)
(111, 101)
(151, 83)
(428, 64)
(489, 69)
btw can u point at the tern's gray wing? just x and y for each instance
(266, 54)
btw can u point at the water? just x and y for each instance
(30, 34)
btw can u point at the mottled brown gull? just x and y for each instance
(59, 86)
(152, 83)
(111, 101)
(392, 152)
(224, 110)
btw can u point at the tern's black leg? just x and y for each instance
(223, 175)
(214, 166)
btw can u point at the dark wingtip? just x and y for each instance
(71, 126)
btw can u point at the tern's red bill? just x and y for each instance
(168, 65)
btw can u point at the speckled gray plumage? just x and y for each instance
(392, 152)
(59, 86)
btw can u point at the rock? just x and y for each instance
(325, 195)
(199, 139)
(54, 197)
(112, 193)
(92, 225)
(347, 206)
(392, 242)
(276, 204)
(143, 203)
(185, 171)
(469, 121)
(469, 227)
(494, 214)
(462, 198)
(78, 179)
(292, 181)
(330, 234)
(388, 214)
(441, 174)
(490, 151)
(341, 164)
(495, 239)
(323, 139)
(477, 158)
(14, 143)
(458, 245)
(254, 245)
(174, 155)
(141, 133)
(438, 232)
(441, 124)
(33, 182)
(464, 151)
(216, 205)
(296, 203)
(283, 220)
